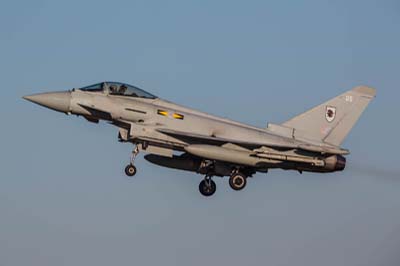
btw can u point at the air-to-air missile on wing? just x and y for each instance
(182, 138)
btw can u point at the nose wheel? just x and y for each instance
(207, 187)
(130, 169)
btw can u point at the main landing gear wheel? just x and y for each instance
(237, 181)
(207, 187)
(130, 170)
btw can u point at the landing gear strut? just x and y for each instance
(130, 169)
(207, 187)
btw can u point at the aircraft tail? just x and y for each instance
(332, 121)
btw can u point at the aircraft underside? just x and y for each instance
(239, 164)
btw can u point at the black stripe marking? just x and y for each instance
(135, 110)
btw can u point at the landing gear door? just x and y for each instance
(150, 149)
(123, 134)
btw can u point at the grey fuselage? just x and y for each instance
(145, 112)
(140, 121)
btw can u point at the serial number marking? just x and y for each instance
(349, 98)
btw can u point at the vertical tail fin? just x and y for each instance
(332, 121)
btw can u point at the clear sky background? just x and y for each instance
(64, 198)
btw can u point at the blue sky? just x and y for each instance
(64, 199)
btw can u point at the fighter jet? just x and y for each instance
(182, 138)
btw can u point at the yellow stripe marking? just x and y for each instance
(162, 112)
(178, 116)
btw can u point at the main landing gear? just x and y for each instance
(207, 187)
(237, 181)
(130, 169)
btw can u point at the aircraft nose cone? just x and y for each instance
(58, 101)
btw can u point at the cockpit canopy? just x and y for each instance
(118, 88)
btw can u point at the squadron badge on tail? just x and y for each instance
(330, 113)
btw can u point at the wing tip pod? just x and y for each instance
(365, 90)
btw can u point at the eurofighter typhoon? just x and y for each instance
(182, 138)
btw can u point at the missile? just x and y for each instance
(267, 159)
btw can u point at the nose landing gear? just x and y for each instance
(130, 169)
